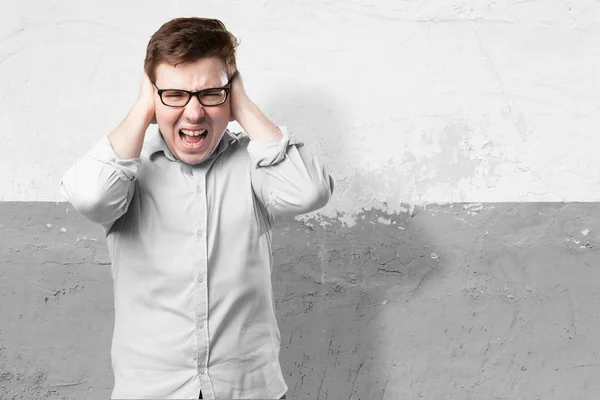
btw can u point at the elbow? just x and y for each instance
(318, 196)
(81, 193)
(98, 211)
(89, 207)
(89, 202)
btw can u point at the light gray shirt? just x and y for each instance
(190, 248)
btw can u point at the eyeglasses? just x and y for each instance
(207, 97)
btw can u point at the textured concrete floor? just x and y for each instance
(463, 301)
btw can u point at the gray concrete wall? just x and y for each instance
(462, 301)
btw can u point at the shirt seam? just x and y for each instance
(117, 248)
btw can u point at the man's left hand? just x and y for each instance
(256, 125)
(238, 96)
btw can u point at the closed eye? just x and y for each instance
(174, 94)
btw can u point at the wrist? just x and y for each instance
(256, 125)
(143, 111)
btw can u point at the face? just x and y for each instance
(204, 73)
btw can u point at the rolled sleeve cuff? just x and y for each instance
(265, 153)
(126, 170)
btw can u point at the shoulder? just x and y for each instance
(237, 143)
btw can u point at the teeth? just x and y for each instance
(193, 133)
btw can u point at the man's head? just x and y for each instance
(192, 54)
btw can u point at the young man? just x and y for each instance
(188, 213)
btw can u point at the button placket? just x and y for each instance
(201, 267)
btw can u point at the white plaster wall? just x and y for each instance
(407, 102)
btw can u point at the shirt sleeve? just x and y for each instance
(100, 185)
(286, 179)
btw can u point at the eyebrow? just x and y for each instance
(193, 91)
(208, 88)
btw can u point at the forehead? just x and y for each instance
(196, 75)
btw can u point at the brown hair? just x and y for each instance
(187, 40)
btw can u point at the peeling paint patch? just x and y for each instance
(384, 221)
(473, 208)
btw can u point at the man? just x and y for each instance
(188, 212)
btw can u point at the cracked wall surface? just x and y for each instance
(462, 301)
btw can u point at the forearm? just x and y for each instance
(256, 125)
(127, 138)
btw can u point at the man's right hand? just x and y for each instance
(128, 138)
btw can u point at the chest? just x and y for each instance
(174, 197)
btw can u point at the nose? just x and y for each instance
(194, 111)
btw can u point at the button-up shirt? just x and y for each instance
(190, 248)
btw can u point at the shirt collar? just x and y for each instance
(156, 144)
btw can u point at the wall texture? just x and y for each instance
(458, 258)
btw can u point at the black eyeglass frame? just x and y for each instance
(197, 94)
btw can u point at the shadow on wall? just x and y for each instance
(332, 283)
(313, 117)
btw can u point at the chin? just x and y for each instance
(193, 159)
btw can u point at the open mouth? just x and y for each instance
(193, 139)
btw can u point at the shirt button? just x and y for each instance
(198, 188)
(201, 325)
(199, 233)
(201, 370)
(200, 279)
